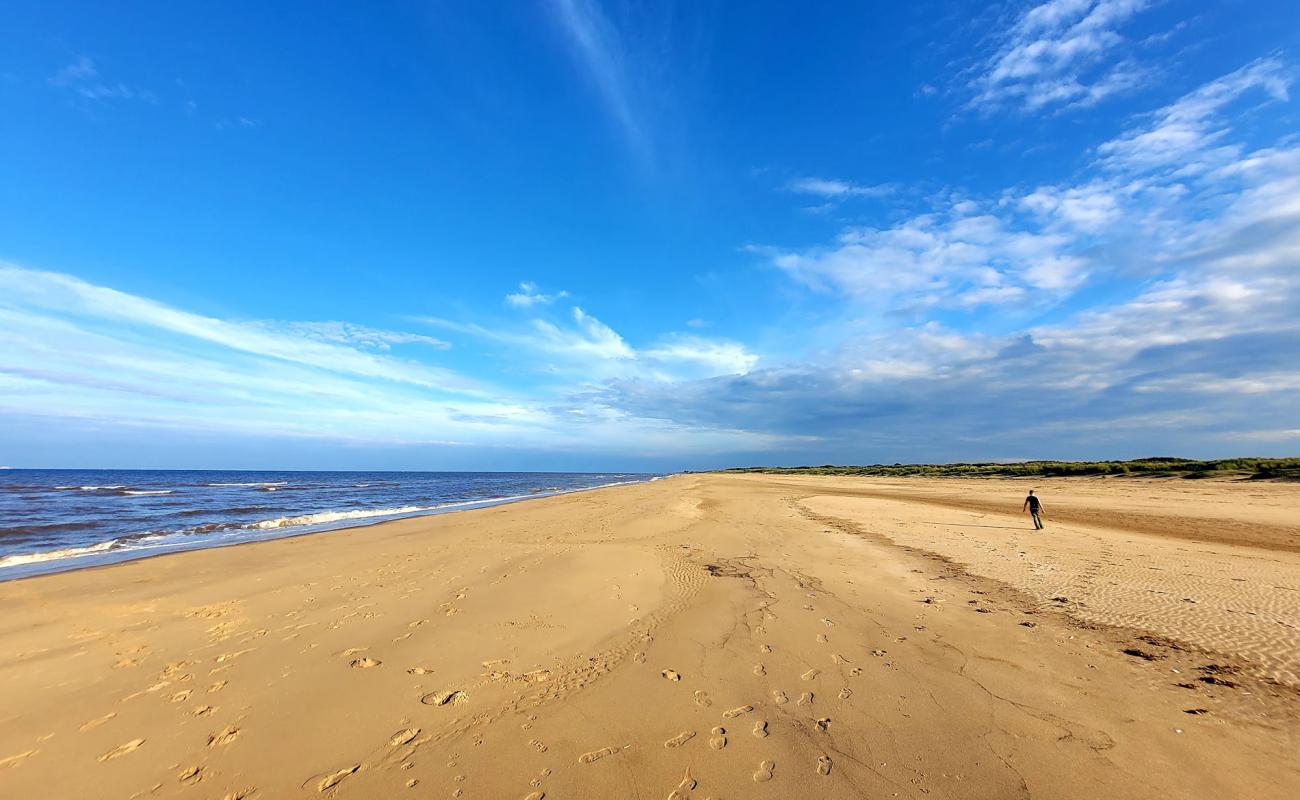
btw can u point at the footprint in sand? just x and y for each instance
(419, 671)
(822, 638)
(824, 724)
(539, 746)
(639, 658)
(760, 670)
(218, 686)
(806, 699)
(596, 755)
(202, 711)
(719, 739)
(779, 697)
(760, 728)
(536, 796)
(828, 623)
(683, 790)
(736, 712)
(224, 736)
(839, 659)
(453, 697)
(764, 772)
(824, 765)
(224, 657)
(13, 761)
(181, 697)
(365, 663)
(121, 750)
(190, 775)
(810, 674)
(767, 648)
(702, 699)
(846, 693)
(95, 723)
(671, 675)
(335, 778)
(403, 737)
(680, 739)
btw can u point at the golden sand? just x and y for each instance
(706, 636)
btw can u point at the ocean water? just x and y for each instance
(52, 520)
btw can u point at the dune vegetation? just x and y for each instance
(1156, 467)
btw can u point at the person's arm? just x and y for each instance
(1025, 507)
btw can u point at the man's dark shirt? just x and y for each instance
(1033, 503)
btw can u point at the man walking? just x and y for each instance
(1035, 507)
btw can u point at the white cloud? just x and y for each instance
(1181, 134)
(529, 295)
(1057, 54)
(588, 350)
(960, 255)
(837, 189)
(589, 338)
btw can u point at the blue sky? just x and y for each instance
(570, 234)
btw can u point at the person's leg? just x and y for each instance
(1038, 523)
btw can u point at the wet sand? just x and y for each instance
(705, 636)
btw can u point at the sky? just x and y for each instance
(601, 235)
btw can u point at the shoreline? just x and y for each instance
(53, 565)
(803, 637)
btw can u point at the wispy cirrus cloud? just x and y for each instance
(82, 77)
(89, 357)
(598, 47)
(1060, 53)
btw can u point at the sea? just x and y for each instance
(55, 520)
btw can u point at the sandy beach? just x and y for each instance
(703, 636)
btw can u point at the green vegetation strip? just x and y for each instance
(1253, 468)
